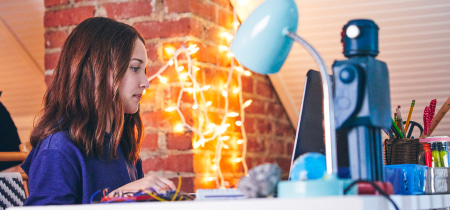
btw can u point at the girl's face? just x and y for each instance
(135, 81)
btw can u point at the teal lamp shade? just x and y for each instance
(261, 43)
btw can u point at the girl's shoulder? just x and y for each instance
(59, 141)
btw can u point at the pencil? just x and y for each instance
(397, 129)
(409, 114)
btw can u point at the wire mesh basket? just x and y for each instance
(402, 151)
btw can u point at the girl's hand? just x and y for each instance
(148, 182)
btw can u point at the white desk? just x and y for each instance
(368, 202)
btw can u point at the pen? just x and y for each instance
(409, 114)
(400, 120)
(397, 129)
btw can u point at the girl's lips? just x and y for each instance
(138, 96)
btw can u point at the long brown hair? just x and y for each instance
(80, 97)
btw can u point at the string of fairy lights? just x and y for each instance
(204, 128)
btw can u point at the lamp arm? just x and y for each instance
(330, 128)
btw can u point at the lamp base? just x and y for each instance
(315, 188)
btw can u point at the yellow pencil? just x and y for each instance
(409, 114)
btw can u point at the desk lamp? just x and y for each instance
(262, 44)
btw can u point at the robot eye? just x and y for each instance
(352, 31)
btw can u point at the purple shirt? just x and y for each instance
(60, 173)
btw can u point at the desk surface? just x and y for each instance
(367, 202)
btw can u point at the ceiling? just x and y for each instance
(22, 60)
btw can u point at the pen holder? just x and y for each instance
(402, 151)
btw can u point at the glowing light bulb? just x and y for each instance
(247, 73)
(233, 114)
(237, 160)
(178, 128)
(225, 146)
(227, 36)
(183, 76)
(145, 91)
(236, 90)
(247, 103)
(230, 54)
(239, 69)
(240, 141)
(238, 123)
(211, 179)
(195, 68)
(170, 62)
(180, 68)
(212, 126)
(169, 50)
(224, 93)
(195, 106)
(224, 138)
(170, 109)
(208, 103)
(193, 49)
(162, 79)
(223, 48)
(214, 167)
(206, 87)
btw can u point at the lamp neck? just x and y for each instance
(330, 128)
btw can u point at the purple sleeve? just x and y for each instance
(53, 180)
(140, 172)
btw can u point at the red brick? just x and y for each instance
(124, 10)
(50, 3)
(150, 142)
(208, 54)
(254, 145)
(225, 18)
(200, 8)
(264, 126)
(55, 39)
(257, 107)
(277, 111)
(276, 147)
(264, 89)
(214, 34)
(157, 119)
(247, 84)
(179, 141)
(152, 51)
(284, 163)
(180, 163)
(283, 129)
(249, 124)
(169, 28)
(67, 17)
(187, 184)
(224, 3)
(153, 164)
(51, 59)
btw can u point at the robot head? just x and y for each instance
(360, 38)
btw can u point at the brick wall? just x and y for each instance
(174, 23)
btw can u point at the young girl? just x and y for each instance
(89, 135)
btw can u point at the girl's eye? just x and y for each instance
(135, 69)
